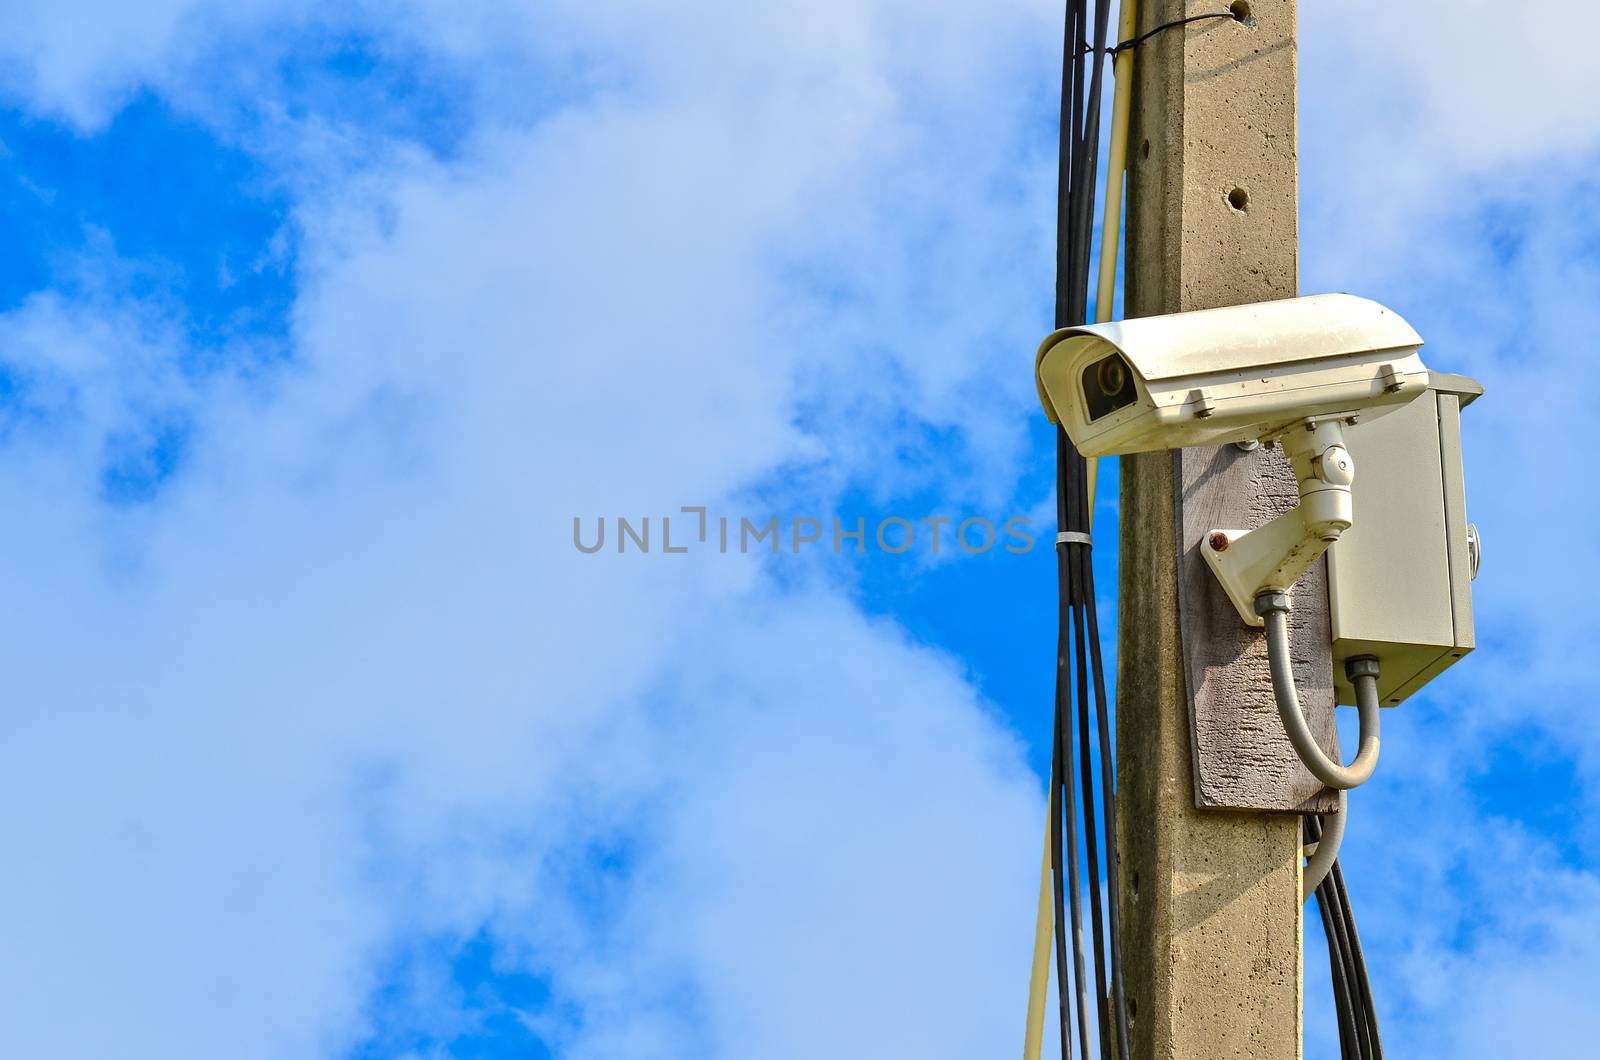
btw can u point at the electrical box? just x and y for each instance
(1400, 579)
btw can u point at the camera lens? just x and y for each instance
(1108, 386)
(1111, 376)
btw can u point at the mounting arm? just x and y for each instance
(1272, 557)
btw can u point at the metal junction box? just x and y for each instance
(1400, 579)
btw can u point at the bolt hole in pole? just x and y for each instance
(1239, 199)
(1240, 12)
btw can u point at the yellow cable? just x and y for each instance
(1044, 926)
(1111, 222)
(1110, 229)
(1116, 166)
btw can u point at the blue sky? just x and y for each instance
(319, 326)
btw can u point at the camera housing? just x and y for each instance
(1237, 374)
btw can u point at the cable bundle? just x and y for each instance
(1080, 135)
(1352, 992)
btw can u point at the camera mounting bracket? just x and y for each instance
(1272, 558)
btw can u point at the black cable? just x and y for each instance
(1119, 998)
(1091, 845)
(1070, 58)
(1070, 814)
(1056, 872)
(1088, 150)
(1342, 1001)
(1082, 92)
(1074, 182)
(1064, 814)
(1328, 898)
(1343, 998)
(1081, 95)
(1363, 983)
(1064, 853)
(1113, 1021)
(1141, 38)
(1358, 1013)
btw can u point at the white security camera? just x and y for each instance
(1297, 371)
(1243, 373)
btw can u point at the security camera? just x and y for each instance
(1239, 374)
(1295, 371)
(1300, 372)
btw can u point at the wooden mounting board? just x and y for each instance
(1242, 758)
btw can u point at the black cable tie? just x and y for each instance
(1129, 45)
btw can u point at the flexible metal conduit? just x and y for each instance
(1274, 611)
(1327, 849)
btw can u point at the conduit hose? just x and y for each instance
(1327, 849)
(1273, 607)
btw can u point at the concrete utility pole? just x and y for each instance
(1210, 898)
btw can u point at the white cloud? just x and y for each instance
(1456, 190)
(1470, 84)
(346, 684)
(82, 59)
(1445, 153)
